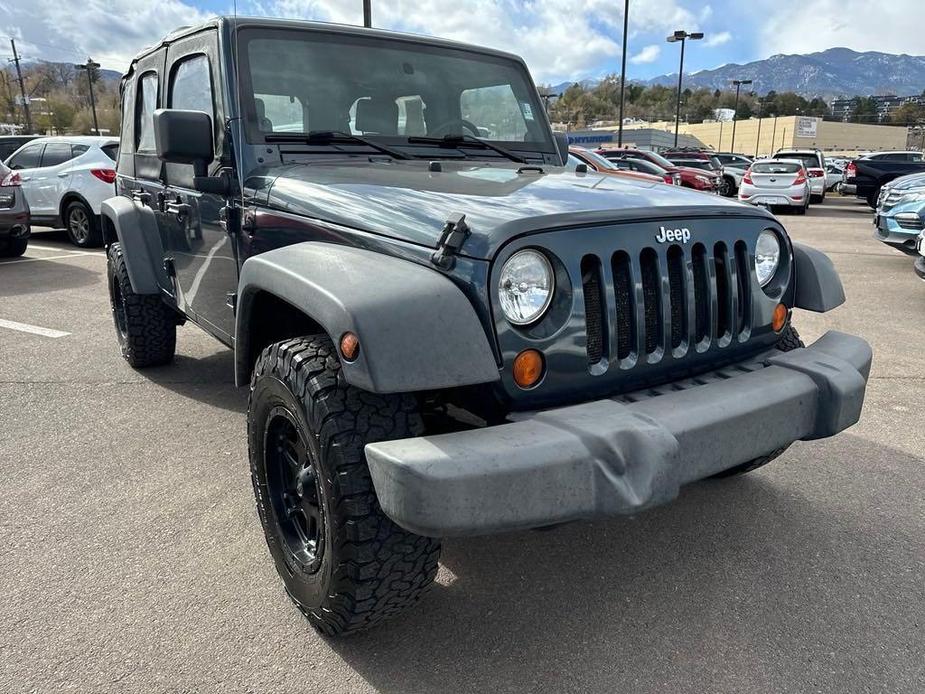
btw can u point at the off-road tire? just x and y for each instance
(78, 215)
(13, 248)
(367, 568)
(789, 340)
(146, 327)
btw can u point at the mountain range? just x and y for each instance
(836, 72)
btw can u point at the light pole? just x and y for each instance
(758, 139)
(626, 20)
(90, 66)
(735, 111)
(681, 36)
(367, 14)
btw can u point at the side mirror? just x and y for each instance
(562, 145)
(184, 137)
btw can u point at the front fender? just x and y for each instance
(136, 229)
(417, 329)
(818, 285)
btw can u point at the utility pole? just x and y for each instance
(682, 37)
(367, 13)
(758, 139)
(735, 111)
(626, 21)
(22, 89)
(90, 66)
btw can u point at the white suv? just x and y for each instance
(65, 180)
(814, 161)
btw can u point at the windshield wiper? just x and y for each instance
(321, 136)
(456, 139)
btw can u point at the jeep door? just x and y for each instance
(140, 169)
(202, 252)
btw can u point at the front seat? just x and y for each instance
(264, 123)
(377, 116)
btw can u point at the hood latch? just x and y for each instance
(455, 233)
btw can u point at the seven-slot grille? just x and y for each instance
(665, 300)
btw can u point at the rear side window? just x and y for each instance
(77, 150)
(56, 153)
(145, 105)
(28, 158)
(191, 86)
(111, 151)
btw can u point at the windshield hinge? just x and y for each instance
(455, 233)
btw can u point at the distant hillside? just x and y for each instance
(832, 73)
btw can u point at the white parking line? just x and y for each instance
(75, 254)
(34, 329)
(60, 249)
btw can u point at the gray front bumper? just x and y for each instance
(610, 457)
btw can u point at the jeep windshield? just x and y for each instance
(423, 99)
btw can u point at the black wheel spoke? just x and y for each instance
(294, 491)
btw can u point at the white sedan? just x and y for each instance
(776, 183)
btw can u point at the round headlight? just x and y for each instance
(767, 256)
(525, 287)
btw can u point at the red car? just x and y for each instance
(690, 178)
(597, 163)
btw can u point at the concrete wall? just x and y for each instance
(766, 135)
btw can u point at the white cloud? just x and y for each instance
(649, 54)
(718, 39)
(559, 39)
(793, 26)
(109, 32)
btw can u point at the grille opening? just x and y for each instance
(676, 295)
(701, 292)
(745, 298)
(651, 299)
(594, 303)
(723, 297)
(623, 296)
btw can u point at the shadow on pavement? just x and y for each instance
(18, 278)
(733, 577)
(209, 380)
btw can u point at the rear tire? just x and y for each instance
(872, 199)
(83, 227)
(788, 341)
(343, 562)
(146, 327)
(800, 210)
(13, 248)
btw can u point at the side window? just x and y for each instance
(77, 150)
(28, 158)
(496, 112)
(191, 86)
(56, 153)
(145, 105)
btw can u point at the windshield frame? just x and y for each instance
(337, 37)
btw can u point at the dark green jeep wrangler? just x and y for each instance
(444, 331)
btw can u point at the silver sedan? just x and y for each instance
(776, 183)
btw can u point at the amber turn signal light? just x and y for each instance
(349, 346)
(779, 318)
(528, 368)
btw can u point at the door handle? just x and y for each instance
(180, 209)
(64, 174)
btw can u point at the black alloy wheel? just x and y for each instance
(295, 494)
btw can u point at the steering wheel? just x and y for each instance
(444, 127)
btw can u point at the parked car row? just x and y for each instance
(55, 181)
(899, 217)
(865, 177)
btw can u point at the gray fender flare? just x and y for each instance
(417, 330)
(818, 286)
(136, 228)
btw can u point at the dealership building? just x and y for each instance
(756, 136)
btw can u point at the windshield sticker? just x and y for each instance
(527, 110)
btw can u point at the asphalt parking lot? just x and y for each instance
(131, 558)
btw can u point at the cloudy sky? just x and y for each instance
(560, 39)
